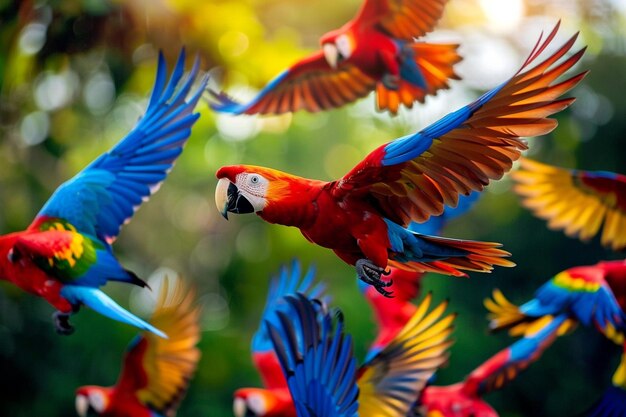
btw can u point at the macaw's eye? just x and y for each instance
(254, 179)
(14, 255)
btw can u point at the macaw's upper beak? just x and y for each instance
(228, 198)
(82, 405)
(331, 54)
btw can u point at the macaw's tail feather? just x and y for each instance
(103, 304)
(504, 315)
(449, 256)
(135, 280)
(611, 404)
(426, 68)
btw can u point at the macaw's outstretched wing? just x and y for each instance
(392, 381)
(310, 84)
(402, 19)
(413, 177)
(576, 201)
(104, 196)
(583, 296)
(286, 283)
(158, 371)
(508, 363)
(317, 360)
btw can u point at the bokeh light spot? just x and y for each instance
(34, 128)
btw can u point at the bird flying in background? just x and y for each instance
(578, 202)
(363, 217)
(65, 255)
(374, 51)
(156, 372)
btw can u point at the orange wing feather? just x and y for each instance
(402, 19)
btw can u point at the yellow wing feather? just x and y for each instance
(393, 380)
(170, 363)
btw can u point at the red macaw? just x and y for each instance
(156, 371)
(66, 254)
(592, 295)
(576, 201)
(317, 360)
(374, 51)
(362, 217)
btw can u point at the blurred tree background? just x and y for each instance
(75, 76)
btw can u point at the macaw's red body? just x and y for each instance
(156, 371)
(65, 255)
(363, 217)
(374, 51)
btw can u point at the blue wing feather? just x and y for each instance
(320, 368)
(411, 146)
(287, 282)
(102, 197)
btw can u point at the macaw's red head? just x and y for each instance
(258, 402)
(337, 46)
(92, 400)
(250, 189)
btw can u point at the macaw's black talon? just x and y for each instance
(62, 323)
(370, 274)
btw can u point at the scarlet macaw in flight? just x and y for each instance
(66, 254)
(374, 51)
(363, 216)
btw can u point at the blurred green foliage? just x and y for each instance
(74, 78)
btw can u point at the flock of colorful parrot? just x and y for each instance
(384, 217)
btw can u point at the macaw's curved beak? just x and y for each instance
(228, 198)
(82, 405)
(331, 54)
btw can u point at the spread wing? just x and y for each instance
(578, 202)
(287, 282)
(159, 370)
(310, 84)
(317, 360)
(392, 381)
(403, 19)
(105, 195)
(585, 300)
(413, 177)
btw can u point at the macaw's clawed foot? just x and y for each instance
(370, 274)
(62, 323)
(391, 82)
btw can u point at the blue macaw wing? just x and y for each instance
(588, 301)
(611, 404)
(105, 195)
(317, 360)
(286, 283)
(435, 224)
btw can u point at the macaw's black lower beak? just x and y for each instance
(229, 199)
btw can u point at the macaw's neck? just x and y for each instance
(297, 206)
